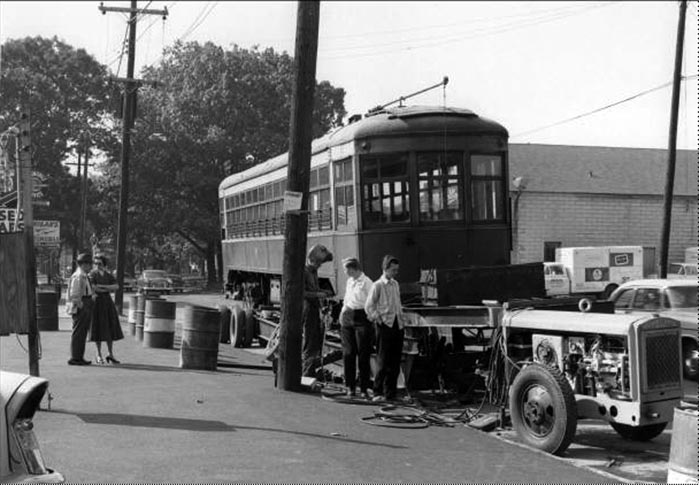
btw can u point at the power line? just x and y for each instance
(548, 17)
(617, 103)
(196, 26)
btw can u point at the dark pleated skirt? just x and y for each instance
(105, 321)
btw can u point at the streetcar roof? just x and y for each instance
(401, 120)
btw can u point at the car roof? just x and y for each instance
(660, 283)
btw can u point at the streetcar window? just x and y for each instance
(344, 192)
(487, 188)
(439, 176)
(385, 182)
(268, 192)
(323, 176)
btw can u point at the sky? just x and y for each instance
(527, 65)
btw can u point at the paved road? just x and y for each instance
(147, 420)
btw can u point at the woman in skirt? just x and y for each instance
(105, 319)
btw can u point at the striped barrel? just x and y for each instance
(140, 314)
(133, 302)
(47, 310)
(200, 338)
(159, 324)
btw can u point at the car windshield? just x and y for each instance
(682, 296)
(556, 269)
(154, 274)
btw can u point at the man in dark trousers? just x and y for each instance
(312, 330)
(80, 301)
(383, 307)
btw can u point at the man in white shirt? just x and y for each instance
(356, 330)
(383, 307)
(80, 302)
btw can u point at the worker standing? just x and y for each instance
(356, 330)
(383, 307)
(312, 294)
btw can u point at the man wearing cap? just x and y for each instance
(356, 330)
(383, 307)
(81, 297)
(312, 332)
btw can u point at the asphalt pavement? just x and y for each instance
(148, 420)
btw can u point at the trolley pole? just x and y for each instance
(298, 179)
(672, 145)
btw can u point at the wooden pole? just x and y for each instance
(298, 179)
(672, 145)
(126, 125)
(25, 160)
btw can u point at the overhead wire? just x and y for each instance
(597, 110)
(551, 16)
(196, 26)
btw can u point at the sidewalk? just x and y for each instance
(147, 420)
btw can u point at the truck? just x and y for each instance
(598, 271)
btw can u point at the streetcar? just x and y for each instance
(427, 184)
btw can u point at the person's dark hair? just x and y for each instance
(351, 263)
(388, 260)
(84, 258)
(102, 258)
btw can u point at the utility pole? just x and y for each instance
(298, 179)
(83, 198)
(131, 86)
(24, 150)
(672, 145)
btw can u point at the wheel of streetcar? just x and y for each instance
(237, 327)
(639, 433)
(690, 366)
(543, 408)
(249, 328)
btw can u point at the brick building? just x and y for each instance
(596, 196)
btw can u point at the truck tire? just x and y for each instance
(237, 327)
(608, 291)
(225, 318)
(690, 371)
(543, 409)
(639, 433)
(249, 328)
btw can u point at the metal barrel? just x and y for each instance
(133, 302)
(159, 324)
(140, 314)
(47, 310)
(201, 333)
(682, 466)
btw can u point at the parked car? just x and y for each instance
(21, 460)
(682, 271)
(176, 283)
(153, 281)
(673, 298)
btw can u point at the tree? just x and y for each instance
(214, 106)
(67, 92)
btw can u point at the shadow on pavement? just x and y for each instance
(144, 421)
(165, 368)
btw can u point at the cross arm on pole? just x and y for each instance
(104, 10)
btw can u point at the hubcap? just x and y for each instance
(537, 410)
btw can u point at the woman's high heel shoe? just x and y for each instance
(112, 360)
(99, 359)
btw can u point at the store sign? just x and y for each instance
(10, 221)
(47, 233)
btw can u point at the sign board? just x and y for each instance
(8, 178)
(47, 233)
(9, 222)
(292, 201)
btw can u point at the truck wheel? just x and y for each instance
(237, 327)
(690, 368)
(543, 408)
(608, 291)
(249, 328)
(639, 433)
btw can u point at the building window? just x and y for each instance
(439, 179)
(385, 189)
(550, 250)
(487, 188)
